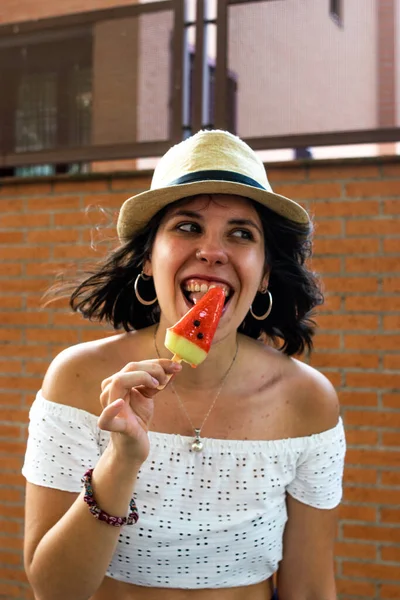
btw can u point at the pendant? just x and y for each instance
(197, 445)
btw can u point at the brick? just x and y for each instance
(391, 207)
(11, 237)
(344, 360)
(37, 367)
(345, 246)
(10, 366)
(357, 513)
(16, 416)
(372, 303)
(391, 245)
(378, 264)
(53, 236)
(327, 341)
(348, 322)
(334, 378)
(11, 495)
(345, 208)
(357, 398)
(15, 574)
(355, 437)
(9, 511)
(72, 219)
(9, 463)
(370, 571)
(11, 543)
(389, 591)
(10, 302)
(10, 335)
(391, 438)
(10, 270)
(357, 590)
(367, 189)
(326, 265)
(9, 431)
(25, 221)
(23, 350)
(391, 400)
(331, 303)
(351, 550)
(379, 458)
(77, 185)
(373, 341)
(8, 590)
(324, 227)
(371, 533)
(372, 418)
(25, 189)
(373, 227)
(309, 191)
(10, 526)
(78, 251)
(10, 398)
(390, 515)
(390, 553)
(391, 284)
(24, 318)
(10, 558)
(114, 200)
(351, 171)
(391, 169)
(48, 268)
(391, 322)
(390, 478)
(11, 205)
(378, 380)
(54, 203)
(350, 284)
(391, 361)
(141, 184)
(24, 253)
(27, 285)
(52, 336)
(358, 475)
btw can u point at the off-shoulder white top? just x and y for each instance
(206, 520)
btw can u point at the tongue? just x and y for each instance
(195, 296)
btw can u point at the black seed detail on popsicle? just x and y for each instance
(196, 323)
(200, 336)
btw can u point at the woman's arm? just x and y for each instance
(306, 571)
(67, 551)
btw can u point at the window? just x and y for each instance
(336, 11)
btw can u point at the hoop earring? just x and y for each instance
(138, 296)
(265, 315)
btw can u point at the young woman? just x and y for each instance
(234, 468)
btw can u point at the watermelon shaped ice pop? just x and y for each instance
(190, 338)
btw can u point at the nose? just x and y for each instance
(212, 254)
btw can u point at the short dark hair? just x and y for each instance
(107, 293)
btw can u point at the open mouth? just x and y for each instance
(194, 289)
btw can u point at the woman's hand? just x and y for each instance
(127, 401)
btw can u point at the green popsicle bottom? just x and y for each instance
(186, 350)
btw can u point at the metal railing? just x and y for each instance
(128, 82)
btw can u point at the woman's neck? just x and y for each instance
(210, 373)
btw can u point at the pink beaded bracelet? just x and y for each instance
(101, 514)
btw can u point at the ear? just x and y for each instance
(147, 267)
(264, 282)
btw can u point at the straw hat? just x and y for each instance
(210, 162)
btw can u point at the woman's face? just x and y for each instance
(209, 239)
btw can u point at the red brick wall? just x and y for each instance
(357, 249)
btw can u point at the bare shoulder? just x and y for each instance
(316, 402)
(74, 376)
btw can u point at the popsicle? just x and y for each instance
(190, 338)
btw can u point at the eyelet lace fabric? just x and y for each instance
(206, 520)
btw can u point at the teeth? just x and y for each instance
(204, 287)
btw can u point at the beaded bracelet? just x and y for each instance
(101, 514)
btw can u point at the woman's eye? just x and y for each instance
(244, 234)
(188, 227)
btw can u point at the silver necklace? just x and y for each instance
(197, 444)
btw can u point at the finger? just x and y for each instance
(158, 368)
(108, 420)
(124, 382)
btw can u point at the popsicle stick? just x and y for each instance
(176, 359)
